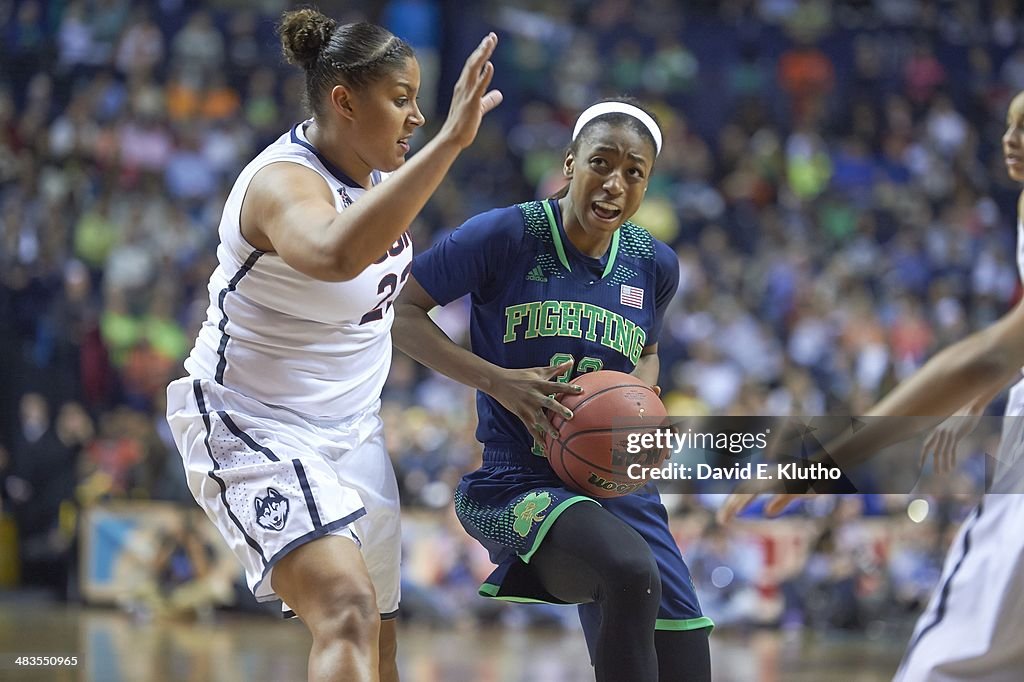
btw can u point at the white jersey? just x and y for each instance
(971, 627)
(1020, 249)
(1008, 457)
(321, 349)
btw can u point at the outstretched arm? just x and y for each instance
(291, 211)
(976, 366)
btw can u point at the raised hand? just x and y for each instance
(527, 393)
(471, 99)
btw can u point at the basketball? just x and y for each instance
(590, 454)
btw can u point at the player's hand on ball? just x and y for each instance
(527, 393)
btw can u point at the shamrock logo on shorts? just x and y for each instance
(528, 511)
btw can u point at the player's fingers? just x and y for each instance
(490, 101)
(939, 457)
(555, 370)
(657, 390)
(547, 428)
(778, 503)
(558, 408)
(536, 426)
(948, 444)
(559, 387)
(479, 56)
(733, 505)
(928, 447)
(484, 79)
(935, 449)
(553, 431)
(949, 460)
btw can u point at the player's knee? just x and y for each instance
(348, 613)
(355, 622)
(633, 575)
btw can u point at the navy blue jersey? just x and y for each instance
(536, 300)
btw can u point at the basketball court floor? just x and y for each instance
(114, 647)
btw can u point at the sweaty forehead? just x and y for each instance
(624, 137)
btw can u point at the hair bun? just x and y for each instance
(304, 32)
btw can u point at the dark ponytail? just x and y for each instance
(304, 33)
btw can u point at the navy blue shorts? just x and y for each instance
(510, 503)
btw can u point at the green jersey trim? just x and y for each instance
(688, 624)
(491, 590)
(545, 525)
(555, 237)
(612, 254)
(560, 248)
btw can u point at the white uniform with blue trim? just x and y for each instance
(277, 421)
(971, 629)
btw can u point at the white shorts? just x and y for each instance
(271, 480)
(972, 627)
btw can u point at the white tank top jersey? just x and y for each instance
(1020, 250)
(1009, 474)
(321, 349)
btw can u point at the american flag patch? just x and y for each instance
(631, 296)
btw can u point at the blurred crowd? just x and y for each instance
(831, 180)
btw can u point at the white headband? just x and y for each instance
(619, 108)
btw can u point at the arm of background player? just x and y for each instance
(968, 375)
(979, 364)
(292, 214)
(975, 368)
(524, 392)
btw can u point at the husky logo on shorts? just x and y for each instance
(527, 512)
(272, 510)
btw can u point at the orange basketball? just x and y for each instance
(592, 452)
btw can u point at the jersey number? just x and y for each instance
(586, 364)
(389, 283)
(387, 288)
